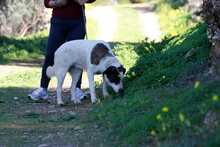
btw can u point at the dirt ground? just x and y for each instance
(45, 124)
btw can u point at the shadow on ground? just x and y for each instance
(27, 123)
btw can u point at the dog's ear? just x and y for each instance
(112, 75)
(121, 69)
(109, 70)
(98, 52)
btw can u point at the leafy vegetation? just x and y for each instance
(26, 48)
(169, 100)
(175, 3)
(165, 105)
(29, 17)
(104, 2)
(174, 21)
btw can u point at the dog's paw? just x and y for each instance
(94, 101)
(60, 103)
(77, 102)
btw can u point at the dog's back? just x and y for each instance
(79, 51)
(79, 47)
(75, 53)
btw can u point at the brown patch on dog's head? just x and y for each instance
(98, 52)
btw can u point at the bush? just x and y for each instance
(22, 49)
(21, 17)
(137, 1)
(104, 2)
(176, 3)
(174, 21)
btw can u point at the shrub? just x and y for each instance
(119, 1)
(176, 3)
(21, 17)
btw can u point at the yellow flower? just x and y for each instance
(153, 133)
(158, 117)
(197, 84)
(165, 109)
(181, 117)
(215, 98)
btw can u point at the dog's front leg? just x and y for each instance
(104, 88)
(91, 85)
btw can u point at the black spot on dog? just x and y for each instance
(112, 74)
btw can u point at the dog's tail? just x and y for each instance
(50, 71)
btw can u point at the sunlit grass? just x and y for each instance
(174, 21)
(25, 78)
(156, 108)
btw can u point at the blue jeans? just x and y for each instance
(61, 30)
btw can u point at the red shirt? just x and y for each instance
(71, 10)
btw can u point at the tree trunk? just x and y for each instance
(211, 14)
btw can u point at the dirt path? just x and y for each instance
(150, 24)
(25, 123)
(14, 68)
(149, 21)
(107, 20)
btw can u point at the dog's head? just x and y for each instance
(114, 78)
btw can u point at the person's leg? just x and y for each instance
(57, 37)
(76, 31)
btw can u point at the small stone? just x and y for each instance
(43, 145)
(16, 98)
(210, 119)
(52, 111)
(72, 113)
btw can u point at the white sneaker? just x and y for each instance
(79, 94)
(38, 94)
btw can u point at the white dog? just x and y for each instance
(93, 56)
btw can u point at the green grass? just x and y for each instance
(165, 61)
(174, 21)
(27, 78)
(161, 115)
(160, 106)
(23, 49)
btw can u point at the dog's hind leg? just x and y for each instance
(60, 74)
(75, 73)
(91, 86)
